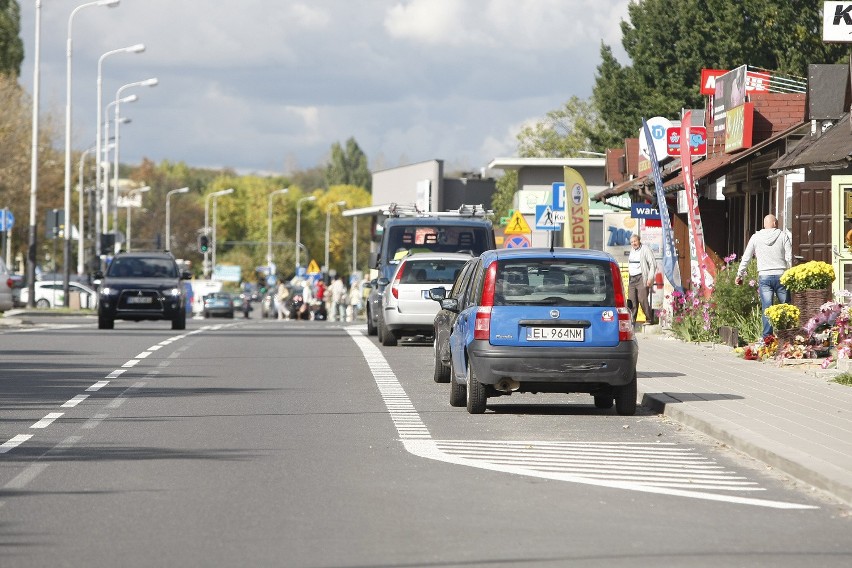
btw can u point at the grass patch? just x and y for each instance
(843, 379)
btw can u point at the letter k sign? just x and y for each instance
(841, 11)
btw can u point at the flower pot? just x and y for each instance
(786, 335)
(809, 302)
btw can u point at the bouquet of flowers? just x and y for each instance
(782, 316)
(813, 275)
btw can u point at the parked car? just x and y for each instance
(407, 231)
(6, 286)
(542, 320)
(142, 286)
(407, 308)
(51, 293)
(443, 325)
(218, 304)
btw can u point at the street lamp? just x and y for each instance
(269, 226)
(80, 211)
(207, 222)
(105, 158)
(68, 51)
(152, 82)
(169, 215)
(31, 249)
(137, 48)
(327, 223)
(213, 240)
(299, 225)
(131, 193)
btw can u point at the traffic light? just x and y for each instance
(203, 243)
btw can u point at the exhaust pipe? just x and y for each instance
(507, 385)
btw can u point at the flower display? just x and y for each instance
(813, 275)
(782, 316)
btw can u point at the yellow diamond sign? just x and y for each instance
(517, 225)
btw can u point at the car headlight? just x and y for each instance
(107, 291)
(174, 292)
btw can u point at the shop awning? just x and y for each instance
(829, 151)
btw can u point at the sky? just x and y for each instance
(267, 86)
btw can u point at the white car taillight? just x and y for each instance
(625, 325)
(482, 323)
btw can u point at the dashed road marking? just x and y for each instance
(75, 401)
(97, 386)
(14, 442)
(47, 420)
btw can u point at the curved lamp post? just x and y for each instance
(327, 223)
(299, 225)
(101, 212)
(68, 52)
(131, 193)
(269, 225)
(152, 82)
(169, 215)
(207, 222)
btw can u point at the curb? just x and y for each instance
(795, 463)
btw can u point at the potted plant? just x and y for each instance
(809, 284)
(784, 319)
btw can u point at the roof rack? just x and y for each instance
(465, 210)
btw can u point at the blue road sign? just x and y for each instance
(517, 241)
(7, 220)
(558, 197)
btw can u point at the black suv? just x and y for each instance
(142, 286)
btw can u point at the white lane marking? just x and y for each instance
(143, 355)
(117, 373)
(418, 441)
(75, 401)
(97, 386)
(94, 421)
(155, 348)
(47, 420)
(14, 442)
(131, 363)
(25, 477)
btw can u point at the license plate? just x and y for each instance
(139, 300)
(556, 334)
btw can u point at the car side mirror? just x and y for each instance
(99, 275)
(437, 294)
(186, 275)
(382, 282)
(450, 304)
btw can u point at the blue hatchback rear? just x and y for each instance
(542, 320)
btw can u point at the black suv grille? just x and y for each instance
(140, 300)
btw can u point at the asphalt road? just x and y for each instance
(267, 443)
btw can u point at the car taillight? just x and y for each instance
(482, 323)
(625, 320)
(10, 283)
(396, 280)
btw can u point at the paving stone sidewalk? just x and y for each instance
(792, 418)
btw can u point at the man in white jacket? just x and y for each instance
(774, 251)
(642, 268)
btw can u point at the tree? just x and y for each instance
(670, 42)
(348, 166)
(563, 133)
(11, 44)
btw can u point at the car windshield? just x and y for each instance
(141, 267)
(553, 282)
(429, 238)
(431, 271)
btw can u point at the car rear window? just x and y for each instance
(554, 282)
(431, 238)
(138, 267)
(431, 271)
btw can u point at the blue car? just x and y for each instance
(540, 320)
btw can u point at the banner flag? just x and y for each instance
(576, 210)
(703, 267)
(670, 267)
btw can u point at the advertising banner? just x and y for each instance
(670, 267)
(577, 210)
(703, 269)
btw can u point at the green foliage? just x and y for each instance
(692, 317)
(11, 44)
(843, 379)
(749, 326)
(732, 301)
(504, 195)
(562, 133)
(670, 42)
(348, 166)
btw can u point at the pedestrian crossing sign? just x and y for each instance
(517, 225)
(313, 267)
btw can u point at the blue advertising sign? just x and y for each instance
(644, 211)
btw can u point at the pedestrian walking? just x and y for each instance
(355, 295)
(642, 267)
(774, 251)
(281, 296)
(339, 299)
